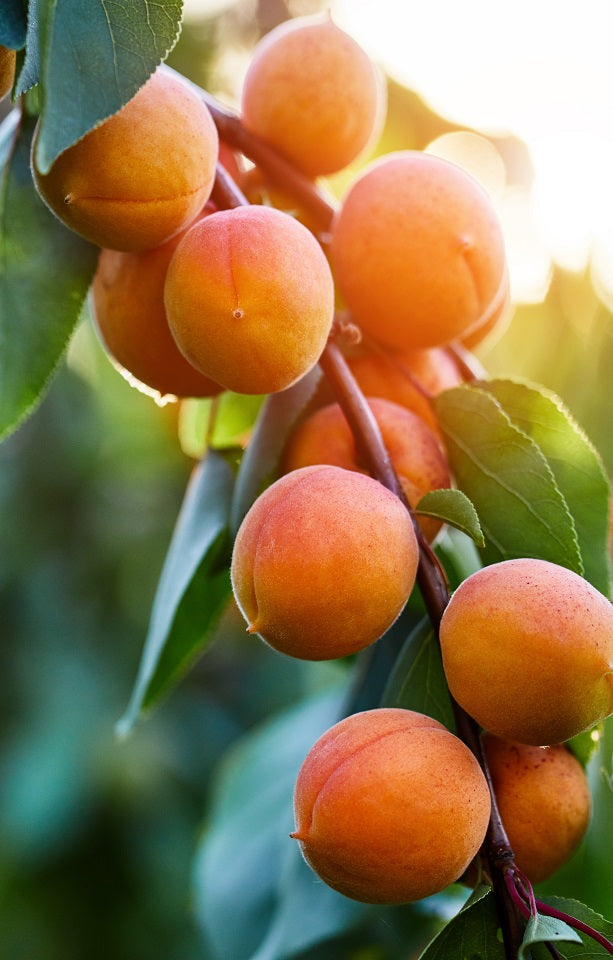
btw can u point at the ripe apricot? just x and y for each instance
(313, 93)
(408, 378)
(528, 651)
(142, 175)
(390, 807)
(418, 251)
(323, 563)
(8, 59)
(325, 437)
(493, 324)
(128, 299)
(250, 299)
(544, 802)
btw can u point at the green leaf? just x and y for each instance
(585, 948)
(95, 57)
(45, 271)
(13, 24)
(574, 462)
(453, 507)
(540, 929)
(261, 460)
(472, 935)
(417, 681)
(506, 476)
(193, 588)
(586, 744)
(255, 897)
(234, 415)
(29, 73)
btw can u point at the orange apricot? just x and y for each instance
(323, 563)
(250, 299)
(493, 324)
(527, 650)
(313, 93)
(418, 252)
(142, 175)
(8, 59)
(390, 806)
(408, 378)
(325, 437)
(544, 802)
(128, 300)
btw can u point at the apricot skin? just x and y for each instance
(323, 563)
(250, 299)
(128, 297)
(417, 251)
(544, 801)
(313, 94)
(528, 651)
(8, 60)
(390, 807)
(142, 175)
(325, 437)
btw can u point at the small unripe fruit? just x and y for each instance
(324, 563)
(544, 802)
(527, 650)
(418, 252)
(417, 458)
(128, 297)
(312, 92)
(390, 807)
(250, 299)
(142, 175)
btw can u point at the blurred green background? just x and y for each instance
(98, 835)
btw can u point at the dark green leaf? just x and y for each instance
(29, 74)
(255, 896)
(261, 460)
(193, 588)
(45, 271)
(541, 929)
(575, 464)
(13, 24)
(586, 949)
(96, 56)
(472, 935)
(417, 681)
(453, 507)
(506, 476)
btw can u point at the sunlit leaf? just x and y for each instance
(541, 929)
(96, 56)
(574, 462)
(506, 476)
(219, 422)
(193, 588)
(453, 507)
(417, 681)
(261, 460)
(45, 271)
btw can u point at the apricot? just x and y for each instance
(408, 378)
(390, 806)
(250, 299)
(527, 649)
(128, 299)
(418, 252)
(8, 59)
(142, 175)
(494, 323)
(313, 94)
(421, 466)
(323, 563)
(544, 802)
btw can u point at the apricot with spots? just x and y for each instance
(390, 807)
(324, 563)
(527, 650)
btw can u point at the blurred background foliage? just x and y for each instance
(99, 835)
